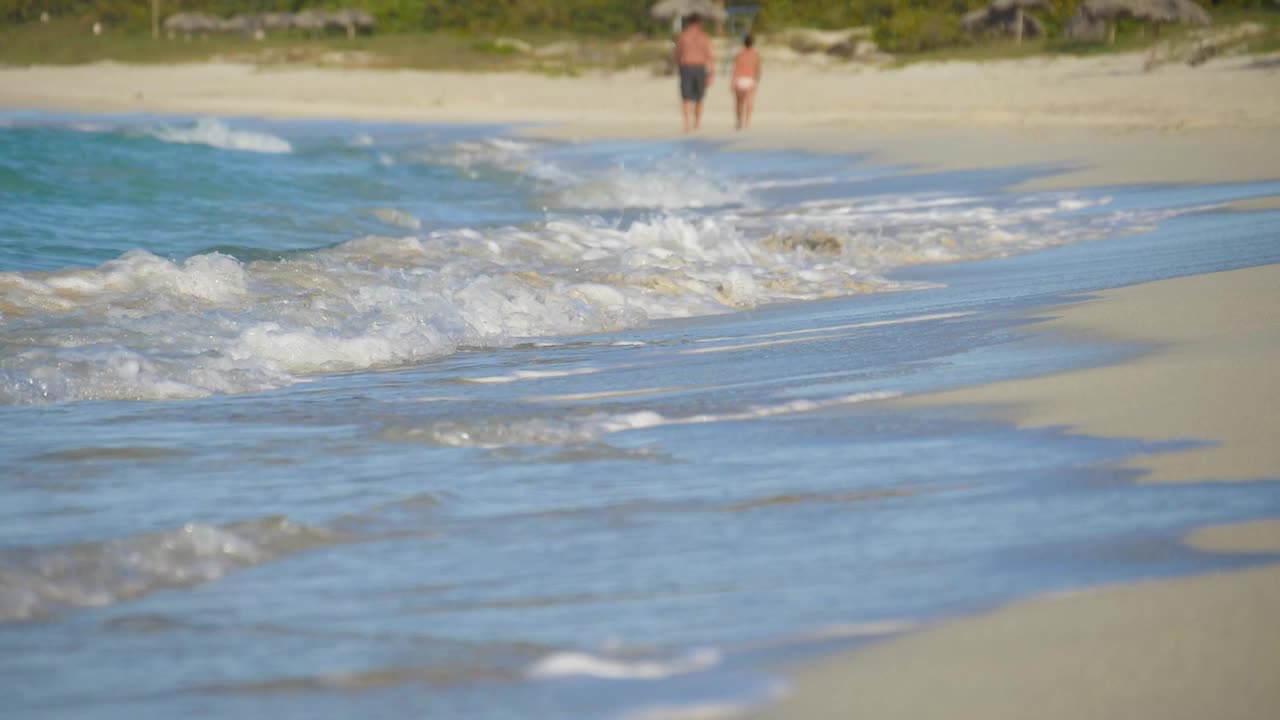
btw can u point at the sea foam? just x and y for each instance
(35, 581)
(572, 663)
(215, 133)
(145, 327)
(556, 428)
(674, 181)
(678, 187)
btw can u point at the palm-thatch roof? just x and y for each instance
(1002, 16)
(1092, 17)
(310, 20)
(351, 20)
(671, 9)
(1155, 11)
(191, 23)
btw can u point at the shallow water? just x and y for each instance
(326, 419)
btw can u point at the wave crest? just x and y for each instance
(143, 327)
(671, 182)
(217, 134)
(34, 581)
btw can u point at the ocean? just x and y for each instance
(330, 419)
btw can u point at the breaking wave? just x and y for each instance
(215, 133)
(671, 189)
(672, 182)
(144, 327)
(34, 581)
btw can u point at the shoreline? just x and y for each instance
(1109, 124)
(1177, 649)
(1189, 647)
(1103, 120)
(1208, 378)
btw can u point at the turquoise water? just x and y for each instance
(338, 420)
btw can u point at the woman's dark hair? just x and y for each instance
(747, 40)
(692, 18)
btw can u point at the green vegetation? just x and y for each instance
(473, 34)
(66, 42)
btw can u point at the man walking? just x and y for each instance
(697, 68)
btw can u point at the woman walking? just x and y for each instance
(746, 79)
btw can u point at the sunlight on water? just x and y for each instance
(336, 420)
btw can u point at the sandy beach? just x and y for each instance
(1197, 647)
(1190, 648)
(1209, 376)
(1186, 648)
(1109, 118)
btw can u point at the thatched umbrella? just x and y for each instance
(275, 20)
(191, 23)
(674, 9)
(310, 21)
(353, 20)
(244, 23)
(1005, 16)
(1095, 17)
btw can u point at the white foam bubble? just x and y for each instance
(678, 187)
(774, 184)
(558, 429)
(211, 324)
(215, 133)
(569, 664)
(33, 581)
(789, 337)
(672, 182)
(398, 218)
(842, 631)
(530, 375)
(499, 155)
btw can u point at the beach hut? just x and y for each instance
(1095, 18)
(1007, 17)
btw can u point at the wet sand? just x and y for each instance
(1190, 648)
(1198, 647)
(1210, 377)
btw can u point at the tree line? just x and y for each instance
(900, 25)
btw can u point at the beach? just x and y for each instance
(1179, 648)
(1111, 116)
(440, 393)
(1185, 648)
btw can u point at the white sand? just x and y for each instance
(1106, 114)
(1212, 376)
(1113, 93)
